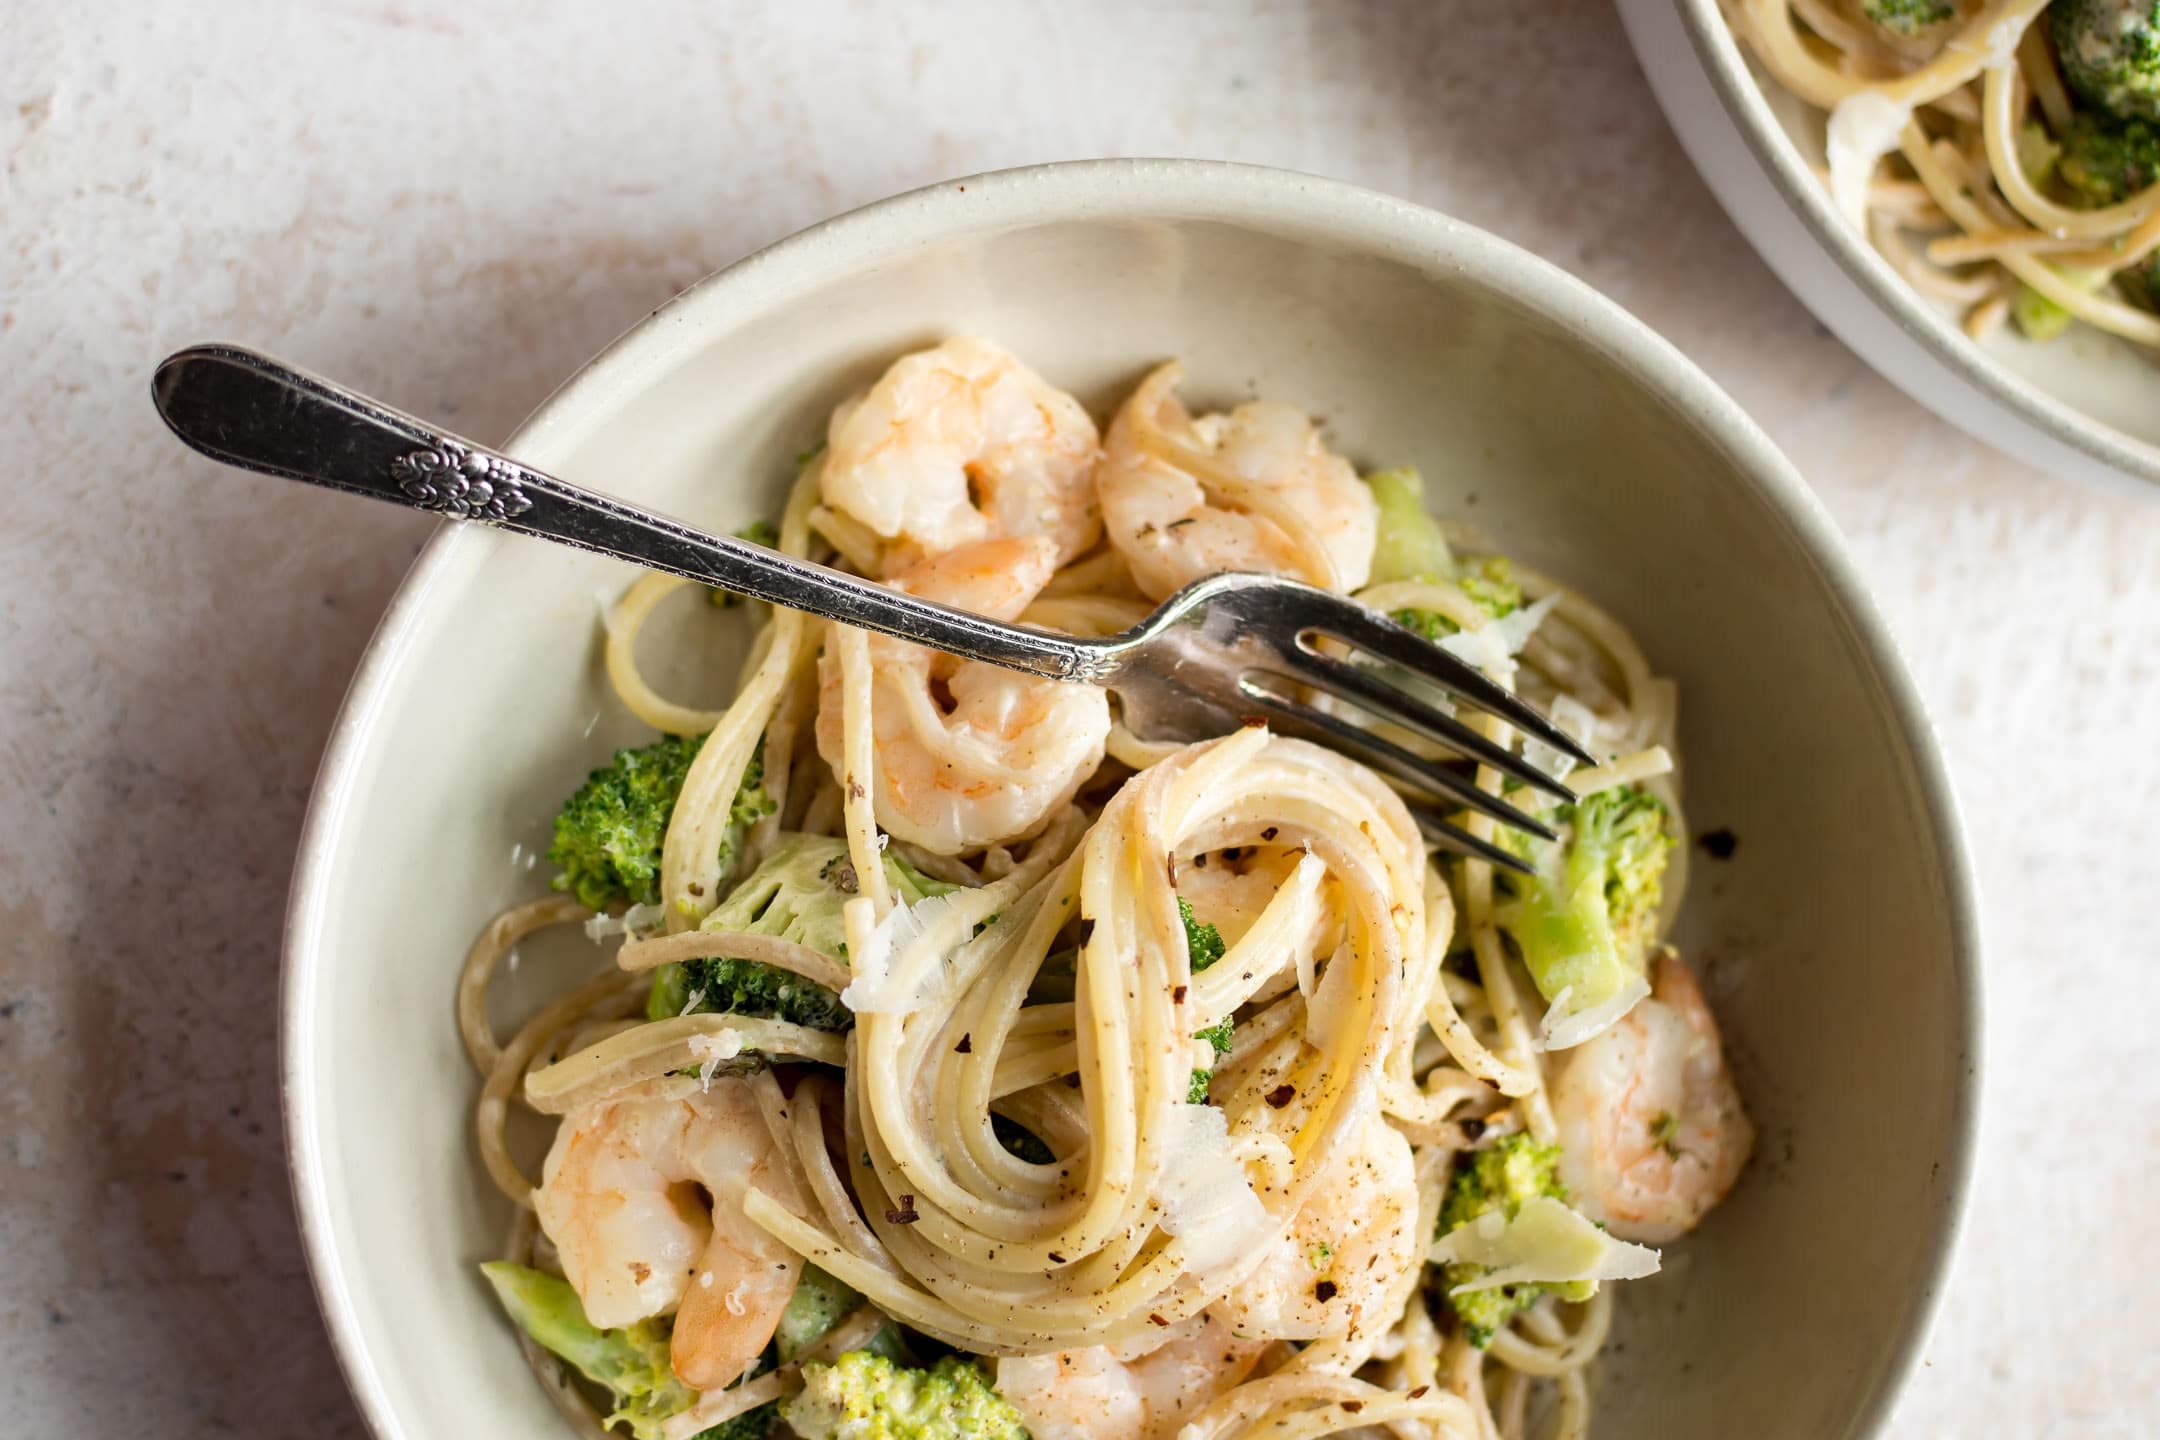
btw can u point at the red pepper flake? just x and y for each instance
(696, 888)
(905, 1215)
(1177, 996)
(1154, 1319)
(1419, 1393)
(1324, 1291)
(1281, 1095)
(966, 1045)
(1351, 1407)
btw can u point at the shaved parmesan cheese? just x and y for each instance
(719, 1045)
(2000, 42)
(879, 954)
(1493, 646)
(1864, 127)
(1546, 1244)
(1206, 1200)
(637, 920)
(1565, 1029)
(712, 1051)
(1580, 723)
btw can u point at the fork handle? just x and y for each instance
(249, 410)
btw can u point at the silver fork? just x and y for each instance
(1221, 653)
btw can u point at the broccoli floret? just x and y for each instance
(2105, 162)
(1500, 1177)
(1907, 17)
(747, 987)
(1507, 1172)
(1409, 545)
(820, 1302)
(631, 1364)
(865, 1396)
(1204, 944)
(796, 893)
(750, 1425)
(2110, 53)
(1584, 921)
(608, 835)
(1490, 583)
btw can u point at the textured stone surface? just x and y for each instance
(452, 206)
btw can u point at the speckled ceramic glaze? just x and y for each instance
(1838, 940)
(2086, 405)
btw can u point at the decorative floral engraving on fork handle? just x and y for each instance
(452, 480)
(1092, 667)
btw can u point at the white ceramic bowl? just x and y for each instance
(1839, 940)
(2086, 405)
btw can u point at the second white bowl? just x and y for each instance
(2085, 406)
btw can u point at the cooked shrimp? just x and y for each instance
(1110, 1393)
(969, 755)
(1251, 490)
(1331, 1272)
(962, 443)
(620, 1198)
(1652, 1134)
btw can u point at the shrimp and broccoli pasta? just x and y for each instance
(2003, 156)
(965, 1065)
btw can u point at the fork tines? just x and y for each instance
(1374, 692)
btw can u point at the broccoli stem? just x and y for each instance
(631, 1363)
(1410, 545)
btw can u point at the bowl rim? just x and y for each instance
(1725, 66)
(1070, 190)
